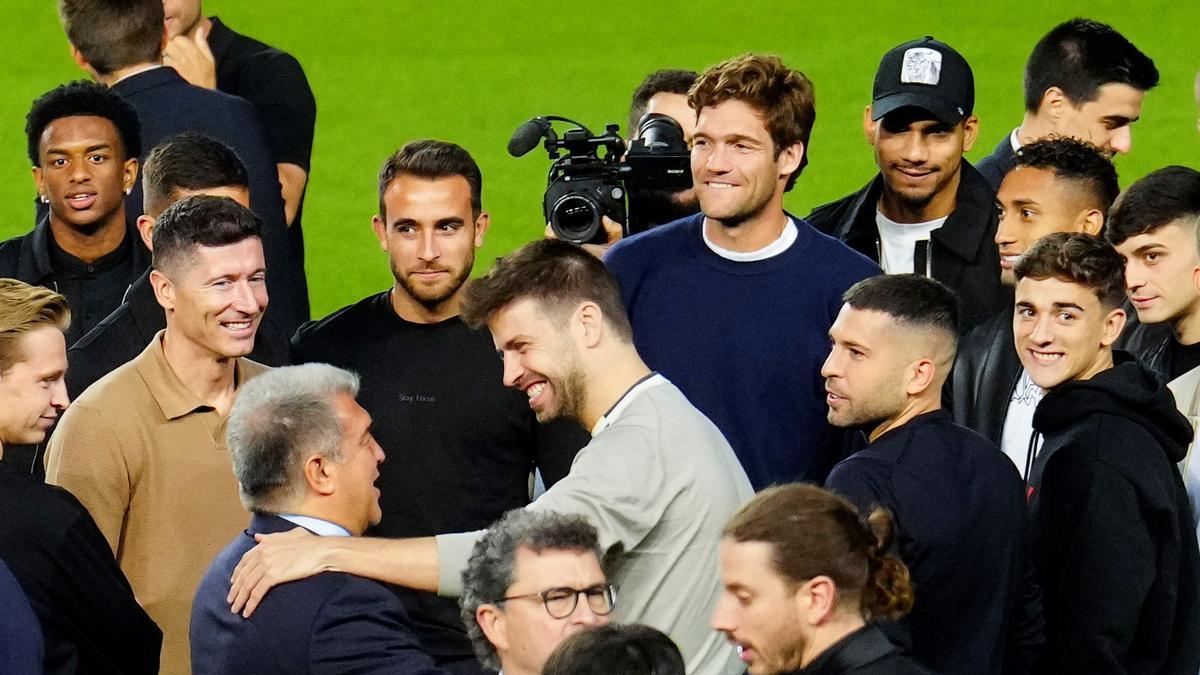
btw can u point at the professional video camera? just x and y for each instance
(591, 174)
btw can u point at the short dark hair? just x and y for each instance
(784, 97)
(188, 161)
(431, 159)
(1158, 198)
(1076, 161)
(1080, 56)
(554, 273)
(201, 220)
(492, 566)
(615, 649)
(815, 532)
(668, 81)
(911, 299)
(114, 34)
(82, 99)
(1076, 258)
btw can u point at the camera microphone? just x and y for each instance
(527, 136)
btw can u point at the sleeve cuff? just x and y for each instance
(454, 550)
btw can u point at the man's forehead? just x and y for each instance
(79, 128)
(1030, 183)
(731, 116)
(1053, 291)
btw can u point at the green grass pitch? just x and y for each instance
(385, 73)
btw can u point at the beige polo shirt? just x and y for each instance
(148, 459)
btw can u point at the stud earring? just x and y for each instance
(44, 199)
(128, 190)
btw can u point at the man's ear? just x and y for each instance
(131, 173)
(816, 601)
(1054, 104)
(789, 159)
(38, 184)
(380, 229)
(870, 126)
(1091, 222)
(145, 228)
(77, 57)
(320, 473)
(591, 320)
(492, 622)
(922, 375)
(164, 290)
(481, 227)
(1114, 323)
(970, 132)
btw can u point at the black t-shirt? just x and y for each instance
(274, 82)
(460, 445)
(1183, 358)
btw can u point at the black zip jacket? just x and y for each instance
(962, 255)
(1114, 538)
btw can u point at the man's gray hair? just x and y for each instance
(491, 569)
(278, 418)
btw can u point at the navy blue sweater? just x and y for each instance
(744, 341)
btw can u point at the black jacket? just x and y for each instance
(1114, 538)
(986, 372)
(996, 165)
(91, 622)
(126, 332)
(962, 529)
(866, 651)
(963, 254)
(1150, 343)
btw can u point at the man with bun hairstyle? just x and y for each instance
(1113, 537)
(957, 500)
(805, 579)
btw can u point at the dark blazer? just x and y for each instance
(866, 651)
(90, 620)
(167, 105)
(996, 165)
(328, 623)
(125, 333)
(963, 253)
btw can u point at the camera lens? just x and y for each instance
(575, 218)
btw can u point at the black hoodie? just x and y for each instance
(1114, 539)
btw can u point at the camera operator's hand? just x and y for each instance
(612, 229)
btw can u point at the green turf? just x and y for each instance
(385, 73)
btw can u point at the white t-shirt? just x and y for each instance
(786, 238)
(898, 242)
(1018, 424)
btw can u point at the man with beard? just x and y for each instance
(657, 479)
(1083, 80)
(461, 445)
(928, 211)
(959, 504)
(733, 304)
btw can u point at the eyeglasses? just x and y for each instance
(561, 602)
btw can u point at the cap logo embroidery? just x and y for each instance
(921, 66)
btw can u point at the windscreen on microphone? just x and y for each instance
(527, 136)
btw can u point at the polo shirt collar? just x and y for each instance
(37, 265)
(173, 398)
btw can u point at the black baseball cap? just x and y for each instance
(927, 74)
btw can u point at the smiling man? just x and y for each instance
(1083, 80)
(1058, 185)
(1113, 535)
(657, 479)
(745, 268)
(457, 437)
(83, 141)
(928, 211)
(144, 447)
